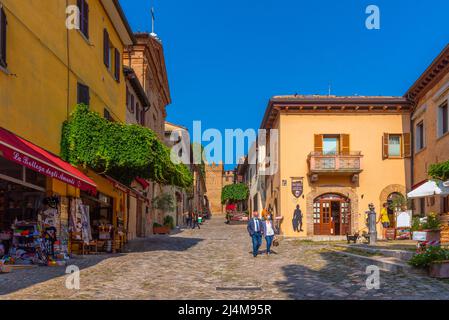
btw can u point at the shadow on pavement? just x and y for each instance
(21, 279)
(344, 278)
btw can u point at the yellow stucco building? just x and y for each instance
(335, 156)
(48, 66)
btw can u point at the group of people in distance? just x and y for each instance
(259, 228)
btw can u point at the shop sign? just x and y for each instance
(419, 236)
(297, 188)
(45, 169)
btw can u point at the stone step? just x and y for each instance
(403, 255)
(390, 264)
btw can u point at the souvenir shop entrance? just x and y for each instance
(29, 221)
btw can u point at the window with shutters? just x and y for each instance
(332, 144)
(396, 146)
(3, 25)
(83, 96)
(83, 7)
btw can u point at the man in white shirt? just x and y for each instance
(255, 229)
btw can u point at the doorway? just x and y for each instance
(331, 215)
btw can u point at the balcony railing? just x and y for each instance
(335, 163)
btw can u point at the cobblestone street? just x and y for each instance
(215, 263)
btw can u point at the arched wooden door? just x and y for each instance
(331, 215)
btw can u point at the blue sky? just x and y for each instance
(225, 59)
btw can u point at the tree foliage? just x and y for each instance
(234, 193)
(440, 171)
(123, 151)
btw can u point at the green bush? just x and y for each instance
(433, 222)
(439, 171)
(432, 254)
(416, 224)
(234, 193)
(157, 225)
(124, 151)
(169, 222)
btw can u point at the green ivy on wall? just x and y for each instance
(234, 193)
(440, 171)
(123, 151)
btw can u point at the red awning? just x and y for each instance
(142, 182)
(31, 156)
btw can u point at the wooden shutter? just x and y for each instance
(385, 144)
(117, 64)
(106, 48)
(407, 145)
(319, 143)
(344, 144)
(3, 24)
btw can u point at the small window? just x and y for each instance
(107, 115)
(3, 25)
(106, 49)
(132, 103)
(138, 112)
(420, 144)
(83, 94)
(394, 145)
(117, 65)
(443, 119)
(83, 7)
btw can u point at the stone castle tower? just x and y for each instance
(214, 185)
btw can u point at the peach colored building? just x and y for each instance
(336, 155)
(430, 97)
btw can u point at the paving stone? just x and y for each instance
(193, 263)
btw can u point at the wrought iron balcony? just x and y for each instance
(349, 163)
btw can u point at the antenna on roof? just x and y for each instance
(330, 89)
(153, 19)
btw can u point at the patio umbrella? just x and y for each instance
(429, 189)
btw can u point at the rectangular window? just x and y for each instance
(107, 115)
(443, 119)
(138, 112)
(331, 145)
(420, 136)
(3, 25)
(117, 65)
(83, 94)
(106, 49)
(132, 104)
(83, 7)
(394, 145)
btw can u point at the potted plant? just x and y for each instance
(435, 260)
(430, 227)
(169, 222)
(160, 229)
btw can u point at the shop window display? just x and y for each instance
(29, 226)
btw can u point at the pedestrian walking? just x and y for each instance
(189, 219)
(384, 219)
(255, 230)
(195, 221)
(297, 219)
(268, 230)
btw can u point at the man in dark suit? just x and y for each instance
(255, 230)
